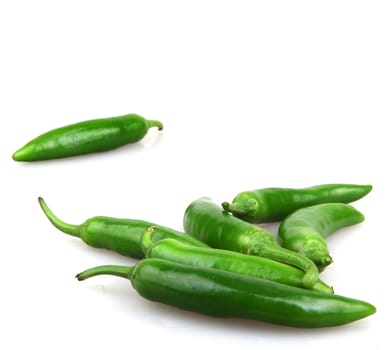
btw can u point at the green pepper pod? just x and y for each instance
(89, 136)
(274, 204)
(255, 266)
(224, 294)
(304, 231)
(211, 224)
(122, 236)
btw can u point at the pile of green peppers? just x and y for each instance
(223, 264)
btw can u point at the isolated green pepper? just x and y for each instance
(275, 203)
(250, 265)
(304, 231)
(225, 294)
(89, 136)
(122, 236)
(209, 223)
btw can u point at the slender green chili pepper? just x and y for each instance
(208, 222)
(274, 204)
(305, 230)
(255, 266)
(89, 136)
(122, 236)
(220, 293)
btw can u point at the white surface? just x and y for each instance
(252, 94)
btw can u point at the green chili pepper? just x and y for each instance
(208, 222)
(274, 204)
(122, 236)
(255, 266)
(220, 293)
(305, 230)
(89, 136)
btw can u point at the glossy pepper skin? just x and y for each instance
(250, 265)
(122, 236)
(209, 223)
(225, 294)
(274, 204)
(304, 231)
(89, 136)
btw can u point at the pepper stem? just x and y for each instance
(115, 270)
(237, 209)
(146, 240)
(155, 123)
(225, 206)
(289, 257)
(233, 208)
(73, 230)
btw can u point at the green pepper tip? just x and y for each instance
(18, 155)
(327, 260)
(310, 277)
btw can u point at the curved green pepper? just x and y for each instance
(274, 204)
(89, 136)
(304, 231)
(211, 224)
(225, 294)
(122, 236)
(250, 265)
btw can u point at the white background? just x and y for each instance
(252, 94)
